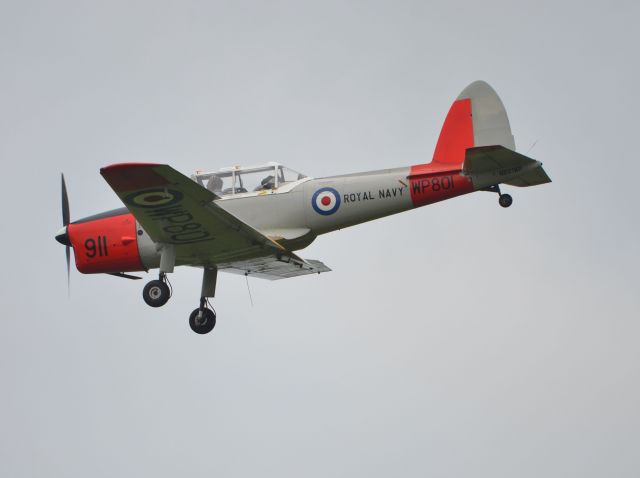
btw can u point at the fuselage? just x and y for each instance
(475, 151)
(350, 199)
(293, 218)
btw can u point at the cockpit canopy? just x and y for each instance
(267, 178)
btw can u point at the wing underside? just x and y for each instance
(274, 269)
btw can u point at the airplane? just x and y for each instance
(251, 220)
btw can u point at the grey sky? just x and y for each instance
(455, 340)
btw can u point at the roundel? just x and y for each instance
(153, 198)
(325, 201)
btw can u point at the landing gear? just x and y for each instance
(202, 320)
(505, 200)
(156, 293)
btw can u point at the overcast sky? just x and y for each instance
(461, 339)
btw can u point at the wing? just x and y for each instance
(173, 209)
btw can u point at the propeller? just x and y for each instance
(65, 223)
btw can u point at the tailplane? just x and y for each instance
(491, 165)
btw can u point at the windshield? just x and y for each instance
(286, 175)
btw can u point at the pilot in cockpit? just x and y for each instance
(267, 183)
(214, 184)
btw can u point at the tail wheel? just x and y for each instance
(156, 293)
(202, 321)
(505, 200)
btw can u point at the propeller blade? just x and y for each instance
(65, 222)
(65, 203)
(68, 269)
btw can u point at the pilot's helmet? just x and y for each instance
(268, 182)
(214, 184)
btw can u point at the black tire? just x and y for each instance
(156, 293)
(505, 200)
(207, 323)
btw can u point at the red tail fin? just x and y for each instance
(456, 135)
(476, 118)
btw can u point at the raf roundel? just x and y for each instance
(325, 201)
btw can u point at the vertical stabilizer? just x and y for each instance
(476, 118)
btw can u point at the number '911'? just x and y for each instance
(96, 246)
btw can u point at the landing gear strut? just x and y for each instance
(156, 293)
(202, 320)
(505, 200)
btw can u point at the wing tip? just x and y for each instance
(124, 166)
(133, 176)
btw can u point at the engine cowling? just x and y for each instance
(106, 244)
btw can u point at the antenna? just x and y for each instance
(246, 276)
(531, 147)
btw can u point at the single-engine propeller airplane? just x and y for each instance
(250, 220)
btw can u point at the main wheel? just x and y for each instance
(156, 293)
(505, 200)
(204, 324)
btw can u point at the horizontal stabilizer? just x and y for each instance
(532, 178)
(490, 165)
